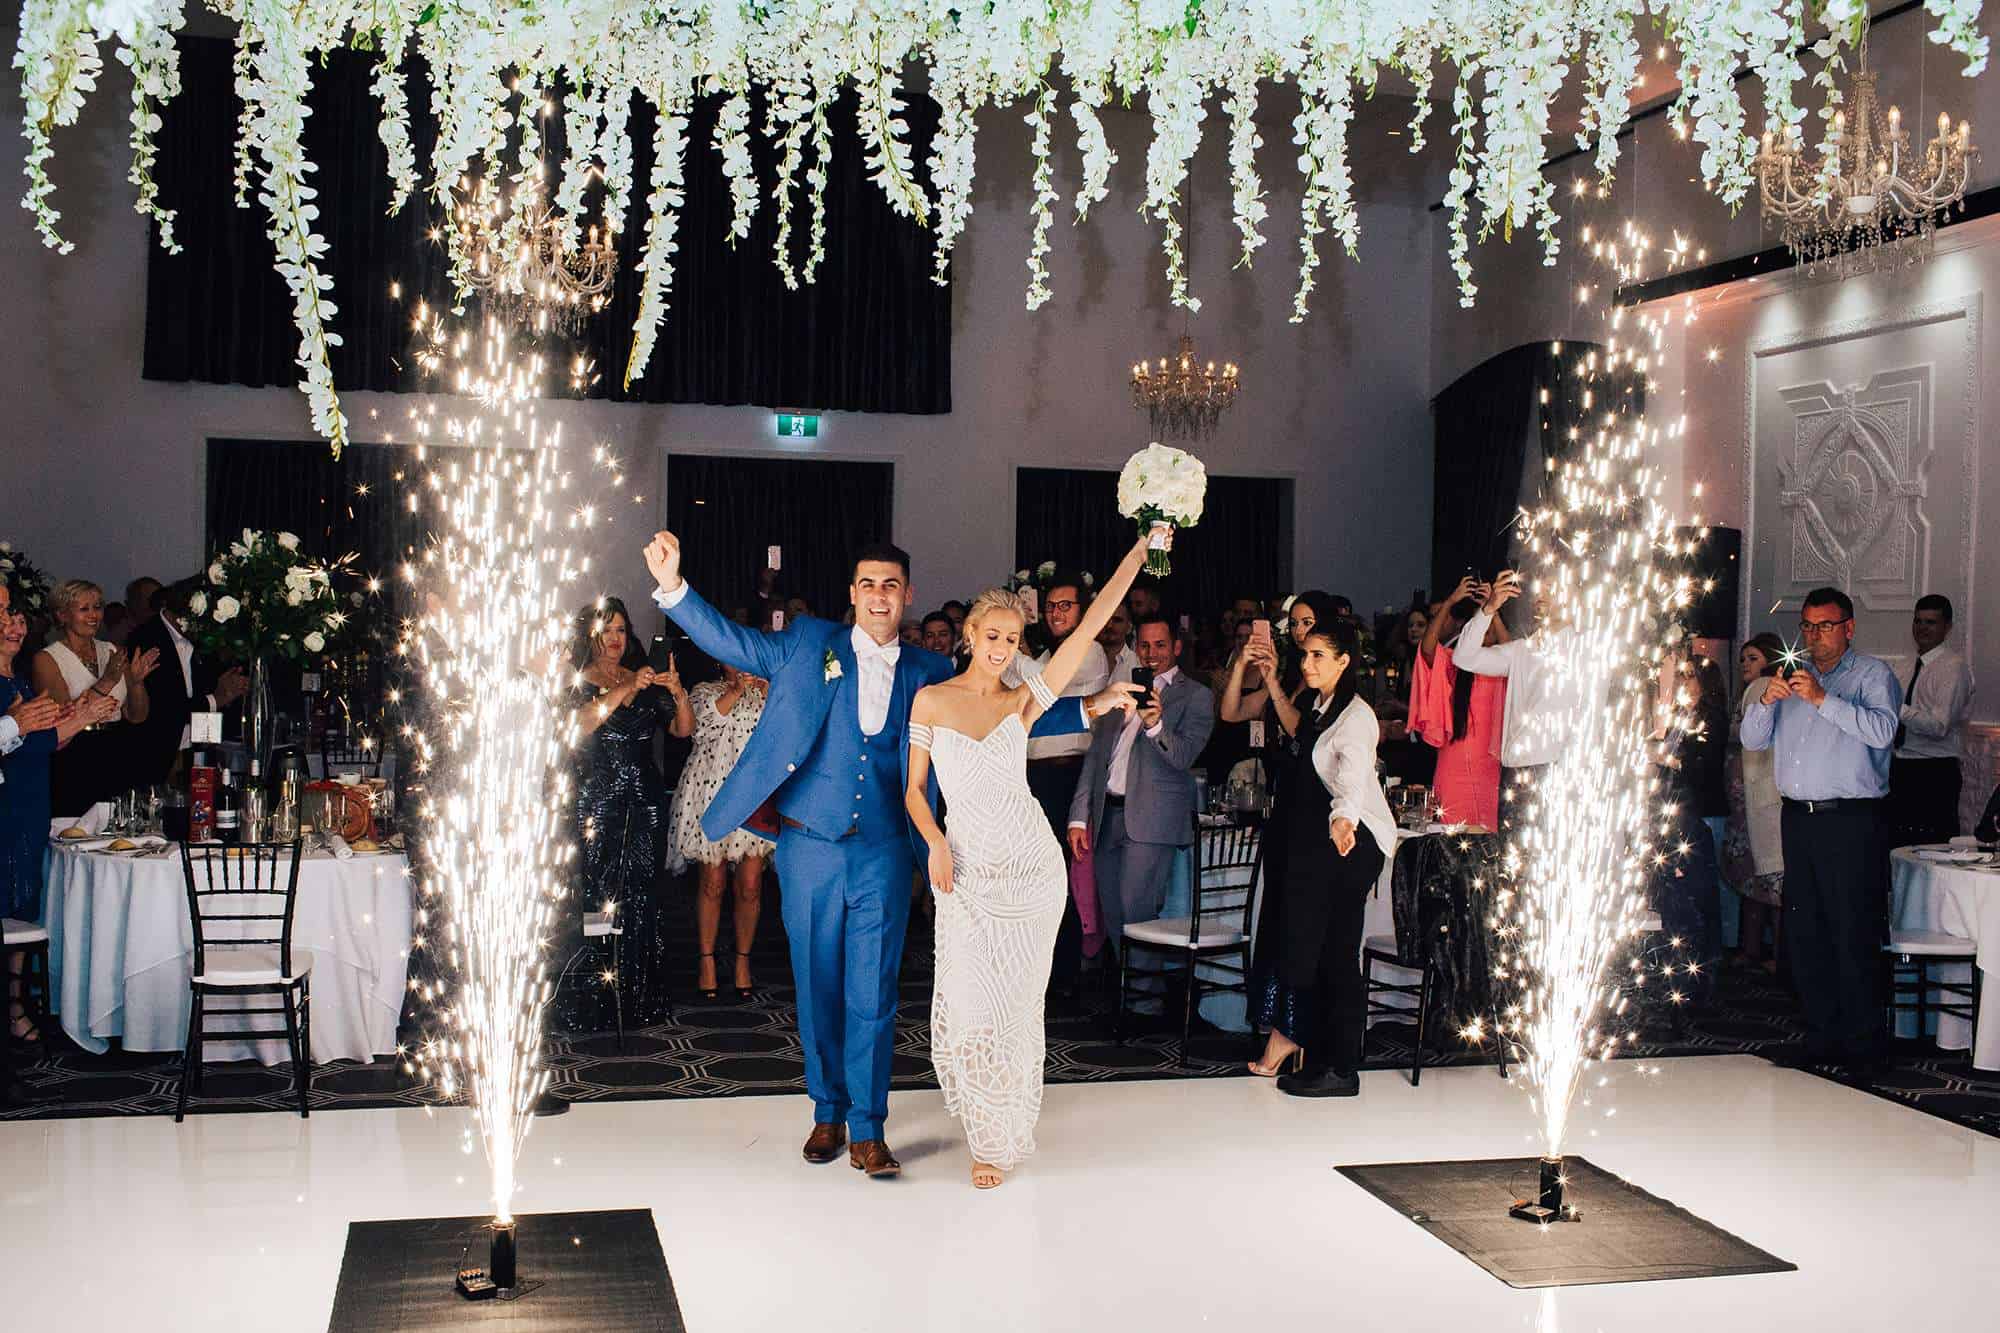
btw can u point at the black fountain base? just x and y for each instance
(582, 1271)
(1597, 1226)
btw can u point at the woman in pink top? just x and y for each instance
(1459, 713)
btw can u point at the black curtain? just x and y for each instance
(871, 334)
(1482, 425)
(1241, 547)
(728, 511)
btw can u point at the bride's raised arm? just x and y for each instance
(1062, 667)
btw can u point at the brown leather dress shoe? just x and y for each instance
(824, 1143)
(874, 1157)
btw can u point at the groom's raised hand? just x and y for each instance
(663, 558)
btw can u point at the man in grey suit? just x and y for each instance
(1134, 803)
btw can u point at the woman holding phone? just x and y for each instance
(1460, 713)
(621, 810)
(1265, 698)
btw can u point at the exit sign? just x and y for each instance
(798, 426)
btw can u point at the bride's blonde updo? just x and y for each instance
(993, 599)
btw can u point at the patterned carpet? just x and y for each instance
(747, 1048)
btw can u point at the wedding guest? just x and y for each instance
(186, 678)
(1753, 856)
(955, 609)
(1231, 741)
(116, 625)
(141, 596)
(1686, 884)
(725, 712)
(33, 726)
(939, 634)
(1270, 698)
(621, 811)
(1115, 640)
(1134, 804)
(1831, 723)
(1055, 763)
(1459, 712)
(1924, 776)
(1143, 602)
(78, 663)
(910, 634)
(796, 609)
(1324, 848)
(1541, 697)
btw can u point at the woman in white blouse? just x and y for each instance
(98, 766)
(1324, 848)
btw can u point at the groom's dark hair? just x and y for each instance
(887, 553)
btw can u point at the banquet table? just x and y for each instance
(121, 946)
(1230, 1011)
(1961, 900)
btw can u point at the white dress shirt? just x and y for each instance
(1934, 717)
(185, 651)
(874, 679)
(1123, 665)
(1344, 758)
(1541, 695)
(1121, 754)
(10, 738)
(1092, 675)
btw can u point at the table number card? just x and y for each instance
(1257, 734)
(205, 728)
(309, 682)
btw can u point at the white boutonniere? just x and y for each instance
(831, 668)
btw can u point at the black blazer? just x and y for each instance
(158, 741)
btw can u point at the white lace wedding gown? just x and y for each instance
(996, 932)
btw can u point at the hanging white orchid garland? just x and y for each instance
(490, 61)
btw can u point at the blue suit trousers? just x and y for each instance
(846, 905)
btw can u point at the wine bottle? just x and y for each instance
(201, 797)
(226, 810)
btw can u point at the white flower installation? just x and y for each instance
(490, 64)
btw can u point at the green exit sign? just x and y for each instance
(798, 426)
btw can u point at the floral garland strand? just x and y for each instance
(486, 63)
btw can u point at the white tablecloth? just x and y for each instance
(120, 949)
(1952, 900)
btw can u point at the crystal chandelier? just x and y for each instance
(516, 256)
(1183, 398)
(1868, 202)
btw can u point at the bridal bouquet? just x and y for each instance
(1162, 485)
(264, 597)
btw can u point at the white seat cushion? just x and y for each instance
(1171, 932)
(18, 933)
(1930, 944)
(598, 924)
(251, 965)
(1650, 923)
(1381, 944)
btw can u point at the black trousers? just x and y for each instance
(1342, 993)
(1053, 786)
(1836, 920)
(1923, 800)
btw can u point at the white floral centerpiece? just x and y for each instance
(29, 588)
(262, 598)
(1162, 485)
(1042, 576)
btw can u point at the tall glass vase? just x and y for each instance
(258, 718)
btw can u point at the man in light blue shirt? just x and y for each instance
(1832, 720)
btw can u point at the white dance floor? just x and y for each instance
(1158, 1206)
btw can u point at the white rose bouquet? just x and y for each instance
(263, 597)
(1162, 485)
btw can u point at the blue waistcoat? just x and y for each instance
(860, 776)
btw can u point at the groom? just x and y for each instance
(830, 745)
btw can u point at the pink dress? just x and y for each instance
(1468, 767)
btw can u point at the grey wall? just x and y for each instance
(103, 474)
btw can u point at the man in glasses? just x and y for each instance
(1055, 762)
(1832, 719)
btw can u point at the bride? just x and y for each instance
(998, 875)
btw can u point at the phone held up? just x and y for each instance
(1143, 677)
(661, 656)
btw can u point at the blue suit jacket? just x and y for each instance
(794, 661)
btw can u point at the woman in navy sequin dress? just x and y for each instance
(621, 817)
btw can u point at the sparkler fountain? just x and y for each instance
(1589, 828)
(489, 648)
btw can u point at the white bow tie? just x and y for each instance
(865, 647)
